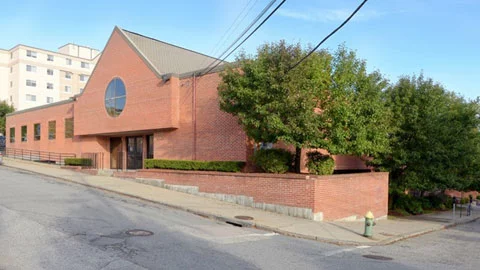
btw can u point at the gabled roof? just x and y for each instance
(166, 58)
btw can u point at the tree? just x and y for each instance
(435, 137)
(5, 109)
(328, 101)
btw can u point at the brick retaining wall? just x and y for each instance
(333, 197)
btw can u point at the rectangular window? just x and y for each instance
(69, 127)
(50, 58)
(24, 133)
(52, 130)
(49, 85)
(49, 71)
(32, 54)
(49, 99)
(32, 83)
(11, 84)
(81, 90)
(68, 89)
(85, 65)
(11, 55)
(12, 135)
(83, 78)
(68, 75)
(31, 97)
(69, 61)
(11, 69)
(31, 68)
(36, 131)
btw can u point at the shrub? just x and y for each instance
(273, 160)
(478, 197)
(320, 164)
(87, 162)
(464, 200)
(195, 165)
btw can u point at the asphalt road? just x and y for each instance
(50, 224)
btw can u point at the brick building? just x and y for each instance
(143, 100)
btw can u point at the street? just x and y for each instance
(50, 224)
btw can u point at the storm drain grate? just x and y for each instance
(244, 217)
(377, 257)
(137, 232)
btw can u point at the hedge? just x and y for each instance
(195, 165)
(273, 160)
(87, 162)
(320, 164)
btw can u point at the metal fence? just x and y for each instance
(39, 156)
(97, 159)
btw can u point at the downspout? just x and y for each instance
(194, 115)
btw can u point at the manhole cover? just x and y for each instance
(244, 217)
(139, 232)
(377, 257)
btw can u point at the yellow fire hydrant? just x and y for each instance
(369, 223)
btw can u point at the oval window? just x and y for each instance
(115, 97)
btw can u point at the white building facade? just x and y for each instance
(31, 77)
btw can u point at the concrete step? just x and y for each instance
(150, 181)
(181, 188)
(105, 172)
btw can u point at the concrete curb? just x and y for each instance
(250, 224)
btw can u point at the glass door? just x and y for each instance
(134, 153)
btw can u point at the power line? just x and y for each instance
(329, 35)
(243, 41)
(243, 33)
(236, 24)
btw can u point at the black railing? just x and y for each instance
(39, 156)
(97, 159)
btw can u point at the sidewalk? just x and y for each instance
(342, 233)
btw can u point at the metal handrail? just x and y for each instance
(39, 156)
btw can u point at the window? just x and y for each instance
(69, 61)
(49, 71)
(68, 128)
(36, 132)
(68, 75)
(31, 97)
(11, 55)
(49, 85)
(11, 84)
(32, 83)
(32, 54)
(83, 77)
(85, 65)
(68, 89)
(115, 97)
(11, 69)
(31, 68)
(81, 90)
(24, 133)
(50, 58)
(49, 99)
(52, 130)
(12, 135)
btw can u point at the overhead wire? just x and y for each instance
(245, 39)
(259, 16)
(226, 36)
(328, 36)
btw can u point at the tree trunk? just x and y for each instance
(298, 159)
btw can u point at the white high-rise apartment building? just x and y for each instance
(31, 77)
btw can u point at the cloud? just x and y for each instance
(329, 15)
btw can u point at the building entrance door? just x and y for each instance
(134, 153)
(116, 154)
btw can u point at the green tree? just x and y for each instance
(328, 101)
(434, 138)
(5, 109)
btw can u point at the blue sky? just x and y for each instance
(397, 37)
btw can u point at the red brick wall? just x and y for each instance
(343, 195)
(60, 144)
(337, 196)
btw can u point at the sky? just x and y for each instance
(438, 38)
